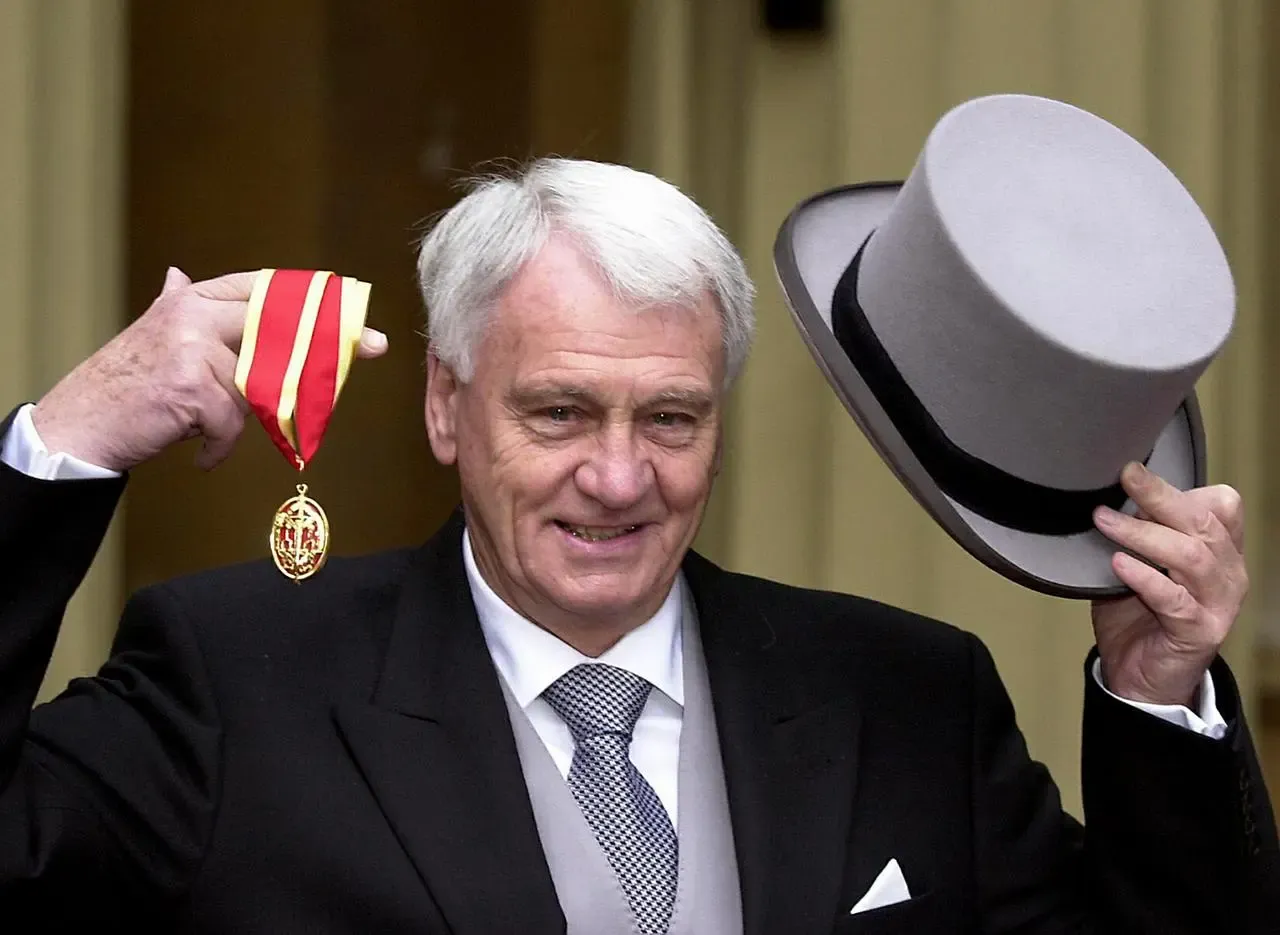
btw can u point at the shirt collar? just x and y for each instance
(531, 658)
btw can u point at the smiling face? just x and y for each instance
(586, 443)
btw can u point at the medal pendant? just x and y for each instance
(301, 332)
(299, 536)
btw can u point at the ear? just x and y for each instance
(441, 409)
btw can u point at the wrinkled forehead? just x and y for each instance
(651, 345)
(559, 312)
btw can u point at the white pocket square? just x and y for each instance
(889, 888)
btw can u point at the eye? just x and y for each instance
(559, 419)
(672, 419)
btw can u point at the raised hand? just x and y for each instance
(169, 376)
(1156, 645)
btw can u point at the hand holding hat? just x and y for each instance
(1010, 327)
(1156, 645)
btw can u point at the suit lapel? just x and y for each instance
(789, 739)
(435, 747)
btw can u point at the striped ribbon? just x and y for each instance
(300, 335)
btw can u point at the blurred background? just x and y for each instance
(323, 133)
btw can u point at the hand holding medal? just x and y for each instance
(182, 370)
(301, 331)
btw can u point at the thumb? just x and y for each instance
(373, 343)
(174, 279)
(230, 287)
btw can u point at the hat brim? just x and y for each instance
(814, 247)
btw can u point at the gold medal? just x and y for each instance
(301, 332)
(299, 538)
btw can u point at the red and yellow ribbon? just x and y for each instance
(300, 335)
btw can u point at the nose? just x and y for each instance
(618, 473)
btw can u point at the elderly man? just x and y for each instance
(554, 716)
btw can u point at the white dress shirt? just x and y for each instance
(530, 658)
(1207, 720)
(24, 450)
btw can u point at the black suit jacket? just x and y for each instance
(259, 756)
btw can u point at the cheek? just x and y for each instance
(489, 448)
(685, 480)
(527, 474)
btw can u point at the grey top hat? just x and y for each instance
(1025, 314)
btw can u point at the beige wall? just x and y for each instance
(751, 124)
(61, 129)
(804, 498)
(1269, 626)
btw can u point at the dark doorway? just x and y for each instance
(320, 134)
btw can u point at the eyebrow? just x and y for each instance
(698, 401)
(541, 396)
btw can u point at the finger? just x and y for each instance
(373, 344)
(232, 294)
(1147, 529)
(221, 422)
(174, 279)
(1165, 503)
(1226, 504)
(1173, 603)
(222, 366)
(224, 318)
(223, 415)
(1205, 565)
(228, 321)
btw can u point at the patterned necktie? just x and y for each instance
(601, 705)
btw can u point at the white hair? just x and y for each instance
(649, 241)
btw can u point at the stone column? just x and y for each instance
(62, 129)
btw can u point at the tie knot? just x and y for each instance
(595, 699)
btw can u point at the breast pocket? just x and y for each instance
(922, 915)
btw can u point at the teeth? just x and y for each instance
(597, 533)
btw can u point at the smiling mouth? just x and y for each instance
(596, 533)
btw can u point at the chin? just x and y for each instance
(602, 600)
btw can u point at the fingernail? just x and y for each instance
(1105, 516)
(374, 339)
(1134, 472)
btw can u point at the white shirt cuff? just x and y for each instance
(23, 450)
(1208, 721)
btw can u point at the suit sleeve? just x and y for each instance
(1027, 860)
(1178, 836)
(1181, 836)
(107, 792)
